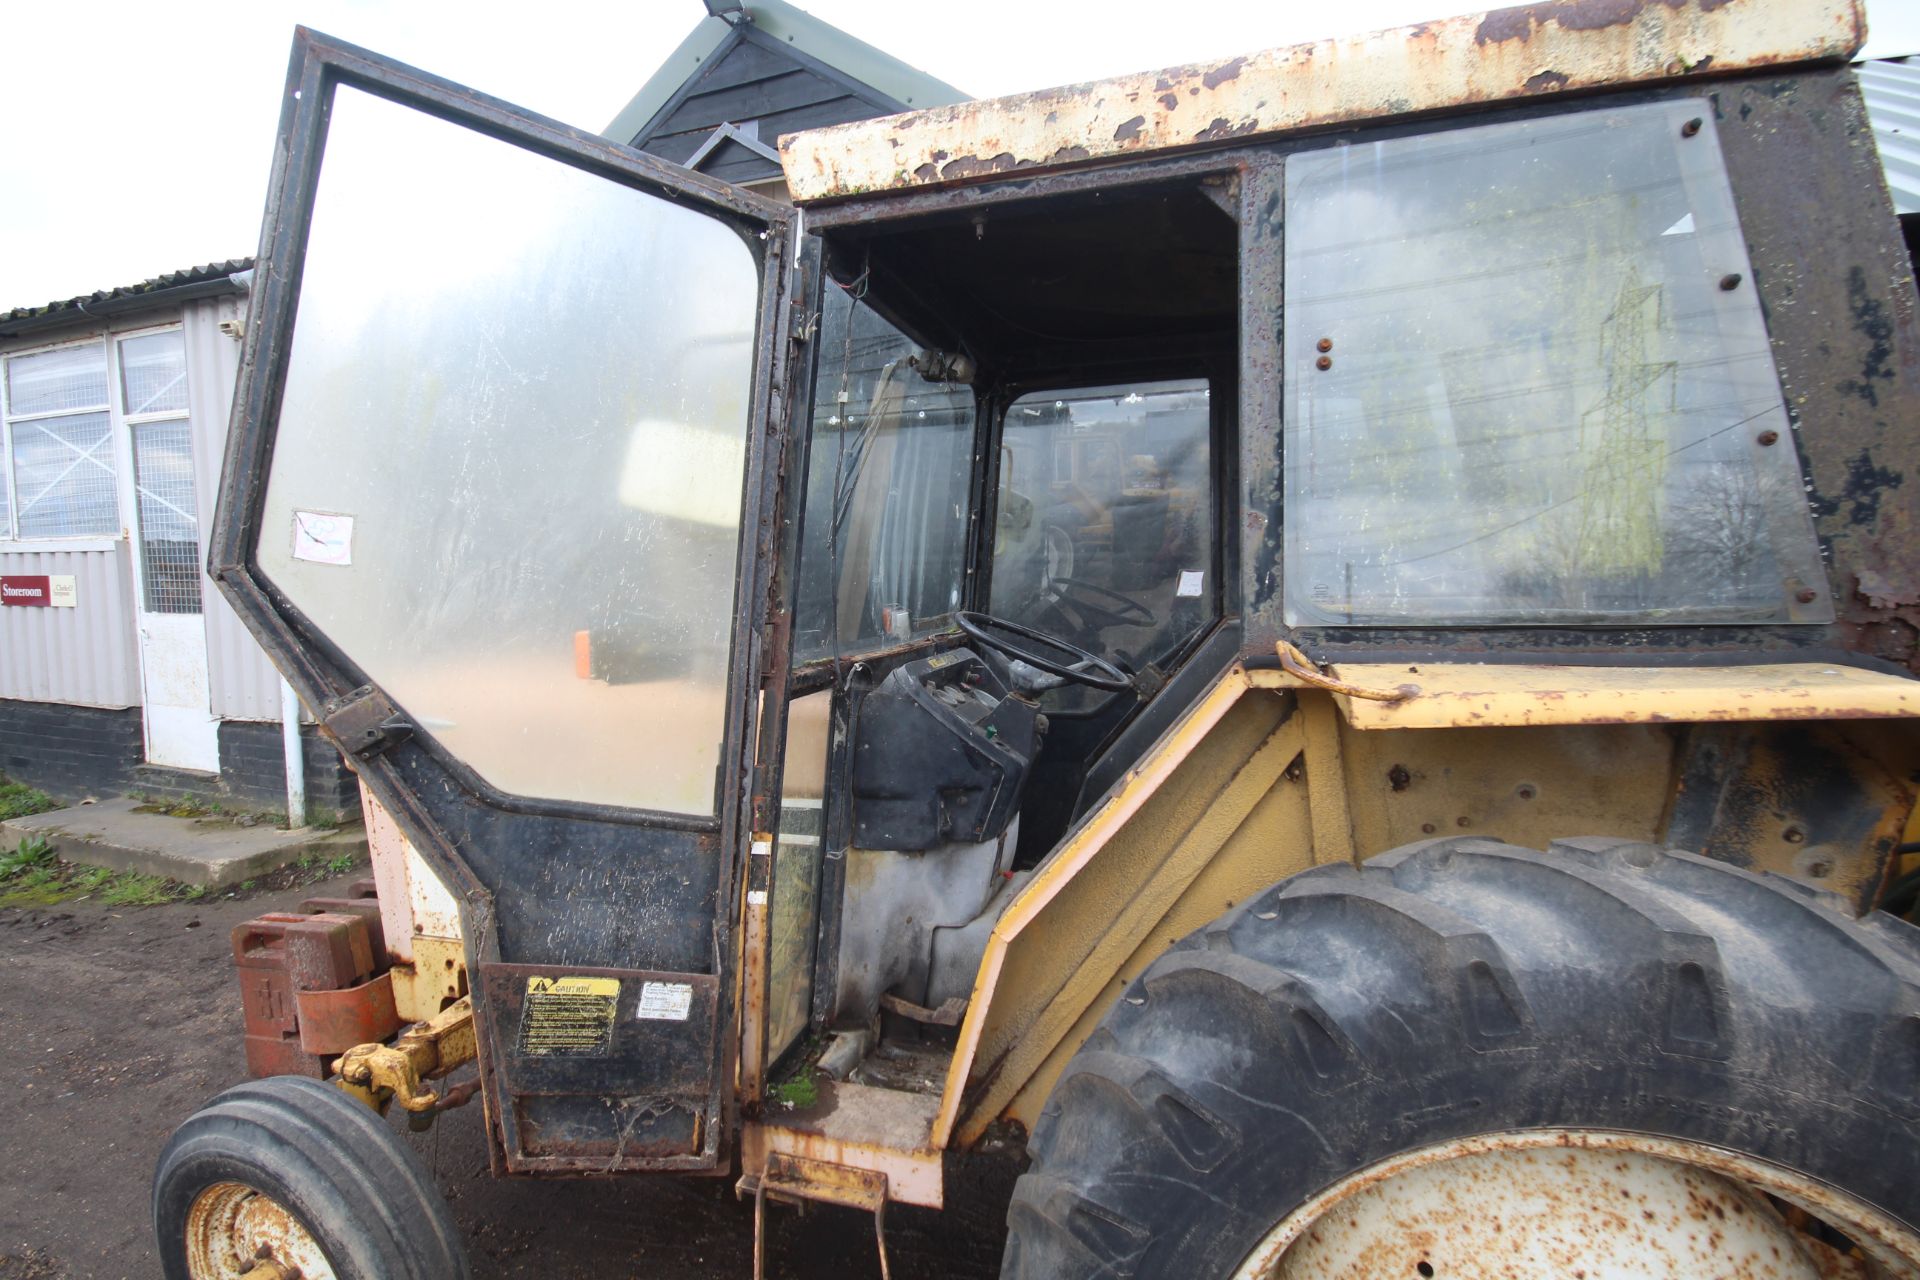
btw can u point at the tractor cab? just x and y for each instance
(805, 664)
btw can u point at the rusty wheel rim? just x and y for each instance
(1568, 1202)
(234, 1230)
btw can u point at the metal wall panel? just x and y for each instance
(85, 654)
(242, 683)
(1892, 91)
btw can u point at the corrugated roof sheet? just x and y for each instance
(87, 305)
(1892, 91)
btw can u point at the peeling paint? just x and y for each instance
(1474, 59)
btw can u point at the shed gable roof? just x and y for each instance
(778, 72)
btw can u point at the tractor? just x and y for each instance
(1324, 641)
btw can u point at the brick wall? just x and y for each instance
(253, 768)
(70, 752)
(73, 752)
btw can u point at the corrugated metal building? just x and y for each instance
(1892, 90)
(121, 668)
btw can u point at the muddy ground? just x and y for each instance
(117, 1022)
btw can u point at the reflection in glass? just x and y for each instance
(508, 471)
(1517, 391)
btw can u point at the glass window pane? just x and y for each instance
(52, 381)
(888, 488)
(507, 480)
(63, 476)
(1538, 404)
(153, 373)
(169, 522)
(1104, 523)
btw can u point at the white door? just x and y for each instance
(181, 730)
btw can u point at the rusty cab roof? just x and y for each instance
(1457, 63)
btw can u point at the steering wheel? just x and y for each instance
(1088, 668)
(1102, 607)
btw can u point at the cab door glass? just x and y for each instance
(508, 472)
(1104, 519)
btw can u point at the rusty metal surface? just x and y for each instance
(380, 1074)
(335, 1021)
(1475, 59)
(856, 1127)
(1713, 1190)
(1466, 695)
(235, 1231)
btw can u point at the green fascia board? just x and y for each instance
(782, 22)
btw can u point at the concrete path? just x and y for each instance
(212, 851)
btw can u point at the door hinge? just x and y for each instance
(364, 722)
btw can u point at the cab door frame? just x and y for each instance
(449, 812)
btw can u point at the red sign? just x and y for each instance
(25, 589)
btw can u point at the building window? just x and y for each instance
(58, 479)
(60, 444)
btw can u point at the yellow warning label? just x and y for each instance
(569, 1016)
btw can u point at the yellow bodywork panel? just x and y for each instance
(1268, 775)
(1463, 695)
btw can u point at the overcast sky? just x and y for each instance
(138, 134)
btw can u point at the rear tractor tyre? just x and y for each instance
(288, 1176)
(1465, 1059)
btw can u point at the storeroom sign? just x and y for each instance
(38, 590)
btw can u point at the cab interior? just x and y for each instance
(1021, 445)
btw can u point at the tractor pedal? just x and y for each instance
(797, 1179)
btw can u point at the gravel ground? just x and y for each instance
(117, 1022)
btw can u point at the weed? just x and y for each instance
(799, 1093)
(17, 800)
(246, 886)
(341, 865)
(34, 851)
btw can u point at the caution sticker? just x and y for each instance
(569, 1017)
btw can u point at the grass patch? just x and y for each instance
(17, 799)
(31, 876)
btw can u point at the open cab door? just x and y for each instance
(499, 468)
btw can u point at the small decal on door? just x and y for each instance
(1190, 580)
(569, 1017)
(665, 1001)
(322, 537)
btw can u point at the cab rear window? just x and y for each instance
(1528, 381)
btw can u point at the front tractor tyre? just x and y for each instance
(1465, 1059)
(287, 1176)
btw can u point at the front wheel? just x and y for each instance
(287, 1176)
(1465, 1059)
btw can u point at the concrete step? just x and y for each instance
(212, 851)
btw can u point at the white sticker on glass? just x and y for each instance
(322, 538)
(665, 1001)
(1190, 580)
